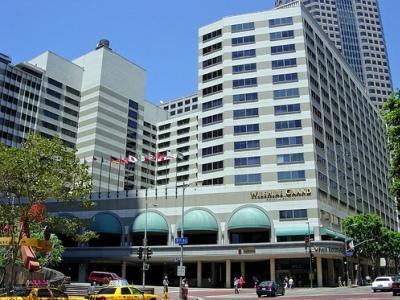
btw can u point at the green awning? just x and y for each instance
(249, 217)
(198, 220)
(155, 223)
(294, 230)
(333, 234)
(106, 223)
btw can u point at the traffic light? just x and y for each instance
(140, 253)
(312, 258)
(149, 252)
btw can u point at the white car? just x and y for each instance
(382, 283)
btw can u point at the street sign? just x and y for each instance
(349, 252)
(181, 271)
(181, 240)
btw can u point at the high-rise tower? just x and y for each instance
(355, 27)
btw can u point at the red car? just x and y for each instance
(100, 277)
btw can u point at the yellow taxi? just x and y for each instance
(39, 293)
(125, 292)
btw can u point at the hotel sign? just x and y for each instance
(289, 193)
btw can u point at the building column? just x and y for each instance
(83, 275)
(272, 268)
(228, 274)
(213, 277)
(199, 273)
(319, 271)
(123, 269)
(242, 269)
(331, 273)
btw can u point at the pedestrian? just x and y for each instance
(340, 281)
(255, 279)
(185, 289)
(236, 285)
(92, 288)
(241, 282)
(291, 282)
(165, 284)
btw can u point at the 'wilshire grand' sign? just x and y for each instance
(290, 193)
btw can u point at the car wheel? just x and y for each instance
(273, 294)
(374, 290)
(283, 292)
(394, 294)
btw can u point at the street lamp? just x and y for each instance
(144, 243)
(310, 255)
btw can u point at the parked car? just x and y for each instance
(382, 283)
(269, 288)
(122, 292)
(396, 285)
(100, 277)
(39, 293)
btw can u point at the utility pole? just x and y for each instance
(308, 245)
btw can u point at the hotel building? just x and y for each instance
(280, 142)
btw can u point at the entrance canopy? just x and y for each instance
(333, 234)
(293, 230)
(198, 220)
(155, 223)
(106, 223)
(249, 218)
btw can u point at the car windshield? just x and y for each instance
(21, 292)
(382, 279)
(266, 283)
(107, 291)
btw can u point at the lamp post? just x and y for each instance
(144, 243)
(310, 256)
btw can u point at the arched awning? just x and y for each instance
(249, 218)
(295, 229)
(198, 220)
(333, 234)
(155, 223)
(106, 223)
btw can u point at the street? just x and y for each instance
(296, 293)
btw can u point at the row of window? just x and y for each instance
(283, 176)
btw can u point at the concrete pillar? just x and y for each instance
(83, 272)
(319, 271)
(243, 269)
(332, 277)
(199, 273)
(228, 274)
(213, 277)
(272, 268)
(123, 269)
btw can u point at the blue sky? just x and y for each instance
(160, 36)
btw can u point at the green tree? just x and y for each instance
(391, 116)
(41, 169)
(390, 247)
(366, 230)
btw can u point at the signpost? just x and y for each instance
(181, 271)
(181, 240)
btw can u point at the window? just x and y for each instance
(244, 54)
(53, 93)
(247, 161)
(183, 140)
(248, 179)
(133, 104)
(245, 113)
(283, 78)
(212, 89)
(213, 166)
(283, 49)
(212, 48)
(287, 109)
(50, 114)
(242, 27)
(73, 91)
(49, 126)
(246, 145)
(284, 63)
(287, 93)
(243, 40)
(183, 122)
(68, 132)
(70, 111)
(273, 36)
(132, 124)
(281, 22)
(244, 68)
(70, 122)
(212, 104)
(286, 125)
(212, 75)
(289, 141)
(213, 181)
(212, 61)
(292, 175)
(243, 129)
(212, 150)
(212, 119)
(54, 82)
(242, 98)
(241, 83)
(164, 127)
(210, 135)
(212, 35)
(293, 214)
(292, 158)
(71, 101)
(183, 130)
(132, 114)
